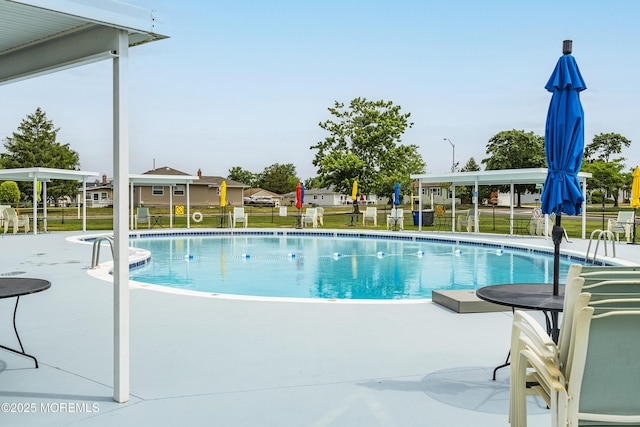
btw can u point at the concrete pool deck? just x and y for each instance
(228, 362)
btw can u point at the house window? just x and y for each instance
(104, 196)
(157, 190)
(436, 191)
(96, 196)
(178, 190)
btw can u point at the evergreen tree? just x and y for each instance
(35, 144)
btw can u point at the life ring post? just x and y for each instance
(197, 216)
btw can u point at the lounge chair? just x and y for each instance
(370, 214)
(239, 215)
(622, 224)
(604, 283)
(310, 217)
(11, 217)
(395, 220)
(467, 221)
(142, 215)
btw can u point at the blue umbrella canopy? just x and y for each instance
(396, 194)
(564, 148)
(564, 139)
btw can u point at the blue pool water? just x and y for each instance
(342, 268)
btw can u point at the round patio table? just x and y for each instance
(15, 287)
(529, 296)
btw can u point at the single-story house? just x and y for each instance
(99, 193)
(204, 192)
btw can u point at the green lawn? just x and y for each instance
(334, 217)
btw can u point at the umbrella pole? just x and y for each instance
(634, 225)
(556, 235)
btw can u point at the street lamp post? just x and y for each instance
(453, 163)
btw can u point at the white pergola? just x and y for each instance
(45, 175)
(509, 177)
(38, 37)
(167, 180)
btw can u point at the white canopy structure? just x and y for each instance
(493, 177)
(168, 180)
(45, 175)
(38, 37)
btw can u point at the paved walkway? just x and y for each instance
(221, 362)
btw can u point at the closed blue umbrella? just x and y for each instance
(564, 147)
(396, 194)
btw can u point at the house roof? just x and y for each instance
(251, 191)
(214, 181)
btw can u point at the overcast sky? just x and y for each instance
(245, 83)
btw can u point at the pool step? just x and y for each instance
(465, 302)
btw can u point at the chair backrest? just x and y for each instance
(439, 210)
(371, 212)
(238, 213)
(599, 281)
(143, 213)
(625, 216)
(311, 212)
(397, 213)
(10, 213)
(320, 210)
(605, 381)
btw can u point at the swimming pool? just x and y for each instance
(334, 266)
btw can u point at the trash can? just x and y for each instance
(427, 217)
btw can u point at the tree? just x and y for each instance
(465, 192)
(34, 144)
(310, 183)
(607, 177)
(278, 178)
(364, 145)
(244, 176)
(610, 178)
(515, 149)
(9, 193)
(604, 145)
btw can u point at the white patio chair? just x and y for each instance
(370, 214)
(395, 219)
(622, 224)
(310, 217)
(239, 215)
(142, 215)
(11, 217)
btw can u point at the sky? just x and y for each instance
(246, 83)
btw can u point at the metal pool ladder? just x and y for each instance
(603, 235)
(95, 257)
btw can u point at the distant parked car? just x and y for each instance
(262, 201)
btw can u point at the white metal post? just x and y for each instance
(120, 223)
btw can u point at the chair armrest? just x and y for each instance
(526, 327)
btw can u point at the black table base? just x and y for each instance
(11, 287)
(21, 351)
